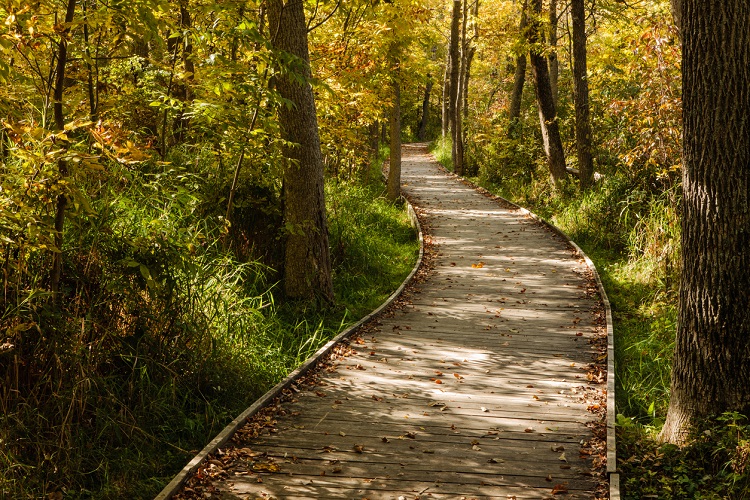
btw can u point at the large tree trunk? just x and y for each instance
(62, 198)
(394, 169)
(547, 114)
(422, 131)
(554, 63)
(455, 70)
(581, 90)
(520, 76)
(307, 263)
(711, 368)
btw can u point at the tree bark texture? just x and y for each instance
(581, 94)
(554, 62)
(422, 131)
(307, 262)
(394, 169)
(520, 75)
(455, 70)
(711, 368)
(547, 115)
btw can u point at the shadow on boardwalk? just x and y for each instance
(476, 388)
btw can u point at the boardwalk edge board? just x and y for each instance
(614, 476)
(176, 483)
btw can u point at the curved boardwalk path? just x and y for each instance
(472, 390)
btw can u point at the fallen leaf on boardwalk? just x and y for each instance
(495, 461)
(385, 439)
(438, 381)
(562, 457)
(360, 367)
(476, 448)
(557, 447)
(484, 409)
(328, 449)
(528, 429)
(359, 448)
(459, 377)
(474, 442)
(478, 265)
(265, 467)
(548, 478)
(320, 394)
(411, 435)
(342, 433)
(376, 398)
(536, 397)
(560, 489)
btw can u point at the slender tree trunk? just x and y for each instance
(519, 78)
(307, 262)
(62, 198)
(375, 138)
(581, 90)
(445, 103)
(89, 72)
(547, 114)
(184, 89)
(394, 169)
(422, 131)
(455, 70)
(711, 367)
(554, 63)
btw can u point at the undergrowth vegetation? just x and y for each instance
(171, 333)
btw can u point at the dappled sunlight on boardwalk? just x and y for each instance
(477, 388)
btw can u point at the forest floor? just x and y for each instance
(484, 384)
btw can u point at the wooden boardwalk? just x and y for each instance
(475, 389)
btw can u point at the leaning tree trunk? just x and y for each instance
(581, 91)
(394, 168)
(711, 368)
(547, 114)
(455, 67)
(307, 262)
(518, 79)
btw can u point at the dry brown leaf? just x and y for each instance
(560, 489)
